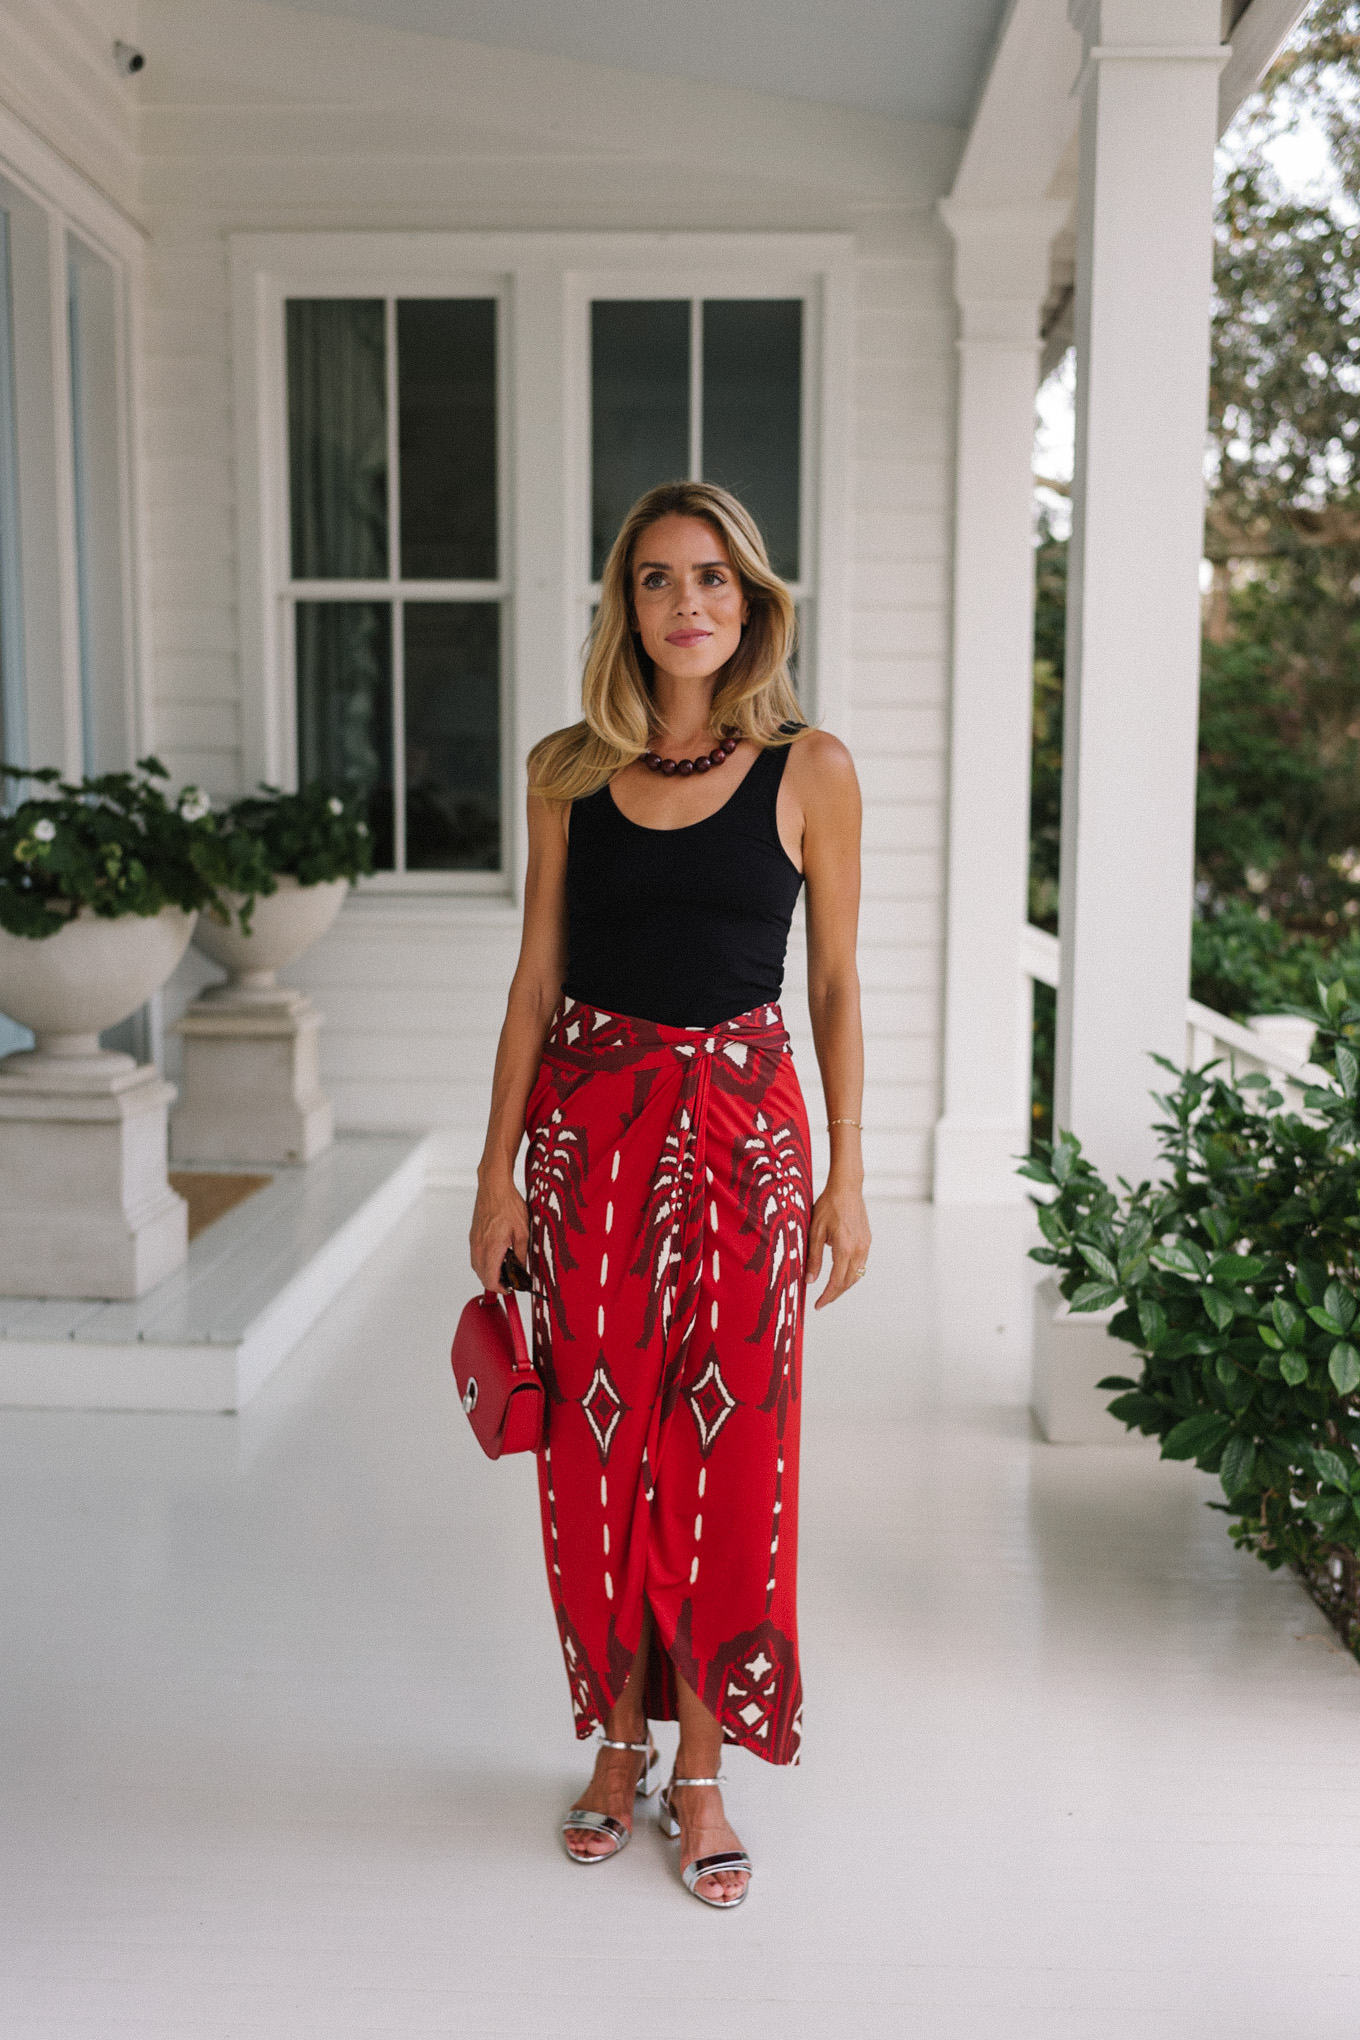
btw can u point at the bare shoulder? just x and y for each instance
(549, 823)
(820, 769)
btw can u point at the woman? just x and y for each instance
(670, 1225)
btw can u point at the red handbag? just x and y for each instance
(498, 1382)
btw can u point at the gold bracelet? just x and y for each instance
(844, 1122)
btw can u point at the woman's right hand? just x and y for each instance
(500, 1223)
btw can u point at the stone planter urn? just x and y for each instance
(251, 1089)
(85, 1208)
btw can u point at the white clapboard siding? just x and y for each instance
(256, 117)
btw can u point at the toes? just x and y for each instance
(586, 1842)
(723, 1885)
(722, 1888)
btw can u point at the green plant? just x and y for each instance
(1243, 961)
(1237, 1281)
(1045, 811)
(1278, 806)
(115, 844)
(314, 835)
(1043, 1055)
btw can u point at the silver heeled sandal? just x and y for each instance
(605, 1823)
(704, 1866)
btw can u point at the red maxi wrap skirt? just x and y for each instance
(669, 1198)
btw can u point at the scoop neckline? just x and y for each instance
(687, 828)
(683, 828)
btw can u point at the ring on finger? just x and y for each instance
(861, 1271)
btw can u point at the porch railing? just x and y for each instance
(1275, 1045)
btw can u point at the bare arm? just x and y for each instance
(822, 781)
(501, 1219)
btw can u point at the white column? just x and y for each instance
(1001, 275)
(1149, 99)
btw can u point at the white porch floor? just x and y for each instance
(284, 1733)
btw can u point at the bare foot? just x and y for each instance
(706, 1831)
(612, 1790)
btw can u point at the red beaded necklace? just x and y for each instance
(719, 755)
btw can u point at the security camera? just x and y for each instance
(128, 60)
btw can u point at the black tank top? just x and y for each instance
(683, 926)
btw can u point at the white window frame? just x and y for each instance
(61, 208)
(545, 283)
(395, 588)
(706, 285)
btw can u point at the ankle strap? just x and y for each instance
(644, 1747)
(719, 1780)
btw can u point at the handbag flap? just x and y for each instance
(494, 1372)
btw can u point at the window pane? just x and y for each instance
(344, 706)
(446, 374)
(91, 304)
(453, 736)
(753, 360)
(639, 391)
(337, 438)
(13, 719)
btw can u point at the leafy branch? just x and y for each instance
(1236, 1279)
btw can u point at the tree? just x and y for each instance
(1278, 824)
(1279, 807)
(1045, 787)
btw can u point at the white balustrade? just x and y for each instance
(1072, 1353)
(1274, 1045)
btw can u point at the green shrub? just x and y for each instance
(314, 835)
(1242, 962)
(117, 845)
(1044, 1054)
(1237, 1281)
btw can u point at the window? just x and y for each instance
(396, 586)
(96, 494)
(13, 708)
(437, 435)
(66, 566)
(706, 388)
(66, 652)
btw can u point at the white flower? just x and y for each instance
(362, 829)
(44, 831)
(337, 807)
(194, 804)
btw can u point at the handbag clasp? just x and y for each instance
(470, 1395)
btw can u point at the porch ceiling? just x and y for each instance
(907, 59)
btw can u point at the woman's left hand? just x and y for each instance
(840, 1222)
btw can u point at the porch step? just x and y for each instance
(256, 1280)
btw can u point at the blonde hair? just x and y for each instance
(754, 696)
